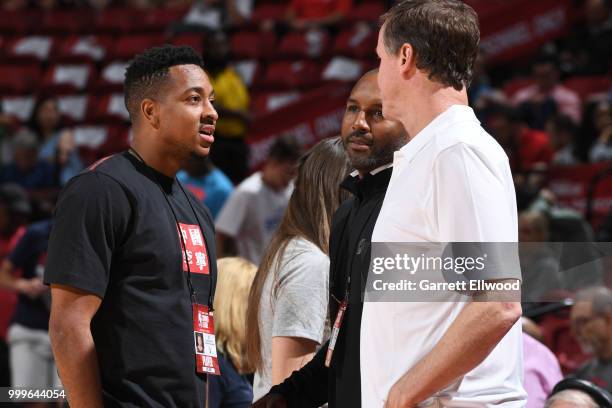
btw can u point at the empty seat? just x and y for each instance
(128, 46)
(73, 107)
(87, 48)
(195, 41)
(111, 77)
(159, 18)
(309, 44)
(270, 101)
(65, 21)
(18, 22)
(116, 21)
(107, 108)
(19, 79)
(287, 75)
(20, 106)
(269, 12)
(369, 11)
(32, 48)
(358, 41)
(247, 45)
(63, 78)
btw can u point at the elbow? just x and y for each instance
(508, 313)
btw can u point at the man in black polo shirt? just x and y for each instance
(131, 259)
(370, 140)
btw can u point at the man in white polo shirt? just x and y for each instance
(450, 183)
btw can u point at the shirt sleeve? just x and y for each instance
(233, 213)
(300, 309)
(91, 220)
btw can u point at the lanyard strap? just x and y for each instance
(192, 291)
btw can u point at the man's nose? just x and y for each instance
(361, 122)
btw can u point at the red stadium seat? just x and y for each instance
(358, 41)
(28, 49)
(272, 12)
(343, 69)
(111, 77)
(65, 21)
(267, 102)
(18, 22)
(290, 75)
(84, 49)
(369, 11)
(64, 78)
(247, 45)
(73, 107)
(107, 108)
(115, 21)
(588, 85)
(19, 79)
(19, 106)
(158, 19)
(310, 44)
(195, 41)
(127, 47)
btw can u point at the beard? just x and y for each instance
(380, 154)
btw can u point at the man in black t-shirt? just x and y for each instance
(131, 255)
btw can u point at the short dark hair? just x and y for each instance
(443, 33)
(149, 70)
(285, 149)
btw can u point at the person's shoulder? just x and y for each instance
(100, 179)
(301, 247)
(251, 184)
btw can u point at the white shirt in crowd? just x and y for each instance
(450, 183)
(251, 214)
(293, 303)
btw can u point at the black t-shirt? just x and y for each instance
(115, 236)
(29, 256)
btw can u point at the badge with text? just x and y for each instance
(195, 249)
(207, 361)
(334, 333)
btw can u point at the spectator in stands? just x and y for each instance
(541, 371)
(563, 132)
(547, 96)
(57, 143)
(209, 184)
(526, 148)
(591, 320)
(30, 349)
(587, 46)
(602, 149)
(539, 267)
(287, 316)
(309, 14)
(576, 393)
(232, 389)
(232, 102)
(14, 211)
(255, 208)
(8, 124)
(28, 170)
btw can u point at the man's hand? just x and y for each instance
(32, 288)
(398, 397)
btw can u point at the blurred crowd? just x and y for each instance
(533, 109)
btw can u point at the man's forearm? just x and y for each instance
(471, 337)
(77, 363)
(307, 384)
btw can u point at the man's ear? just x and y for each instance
(149, 109)
(407, 61)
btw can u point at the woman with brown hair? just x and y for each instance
(287, 315)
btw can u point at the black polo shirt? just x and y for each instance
(116, 236)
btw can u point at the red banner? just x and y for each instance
(314, 117)
(571, 186)
(511, 29)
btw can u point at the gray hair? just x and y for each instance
(601, 297)
(579, 399)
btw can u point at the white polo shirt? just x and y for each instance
(450, 183)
